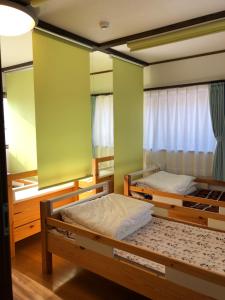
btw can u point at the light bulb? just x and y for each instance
(15, 21)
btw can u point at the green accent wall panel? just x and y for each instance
(128, 120)
(102, 83)
(22, 154)
(63, 109)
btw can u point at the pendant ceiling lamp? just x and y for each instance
(16, 18)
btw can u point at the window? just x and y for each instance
(103, 121)
(178, 120)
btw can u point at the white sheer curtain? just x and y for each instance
(103, 134)
(178, 132)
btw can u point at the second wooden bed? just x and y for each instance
(199, 207)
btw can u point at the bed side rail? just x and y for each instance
(136, 250)
(152, 169)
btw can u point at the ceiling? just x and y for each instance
(126, 17)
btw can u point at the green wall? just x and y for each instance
(128, 120)
(22, 133)
(63, 109)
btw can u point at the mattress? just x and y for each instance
(193, 245)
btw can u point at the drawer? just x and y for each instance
(26, 212)
(29, 210)
(27, 230)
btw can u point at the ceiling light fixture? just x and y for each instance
(15, 19)
(177, 36)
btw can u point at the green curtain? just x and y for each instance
(217, 110)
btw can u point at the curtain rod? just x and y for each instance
(183, 85)
(101, 94)
(170, 86)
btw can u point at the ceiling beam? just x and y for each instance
(165, 29)
(46, 27)
(124, 56)
(18, 66)
(67, 35)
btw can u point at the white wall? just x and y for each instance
(199, 69)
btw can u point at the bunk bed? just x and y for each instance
(204, 205)
(150, 270)
(24, 203)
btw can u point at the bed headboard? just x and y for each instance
(97, 161)
(101, 188)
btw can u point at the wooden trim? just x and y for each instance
(102, 94)
(125, 57)
(45, 209)
(101, 72)
(5, 236)
(18, 67)
(11, 216)
(190, 212)
(210, 181)
(103, 159)
(165, 29)
(186, 57)
(127, 183)
(183, 85)
(136, 250)
(188, 223)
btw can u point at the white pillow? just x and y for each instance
(113, 215)
(167, 182)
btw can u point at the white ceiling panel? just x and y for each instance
(16, 50)
(126, 16)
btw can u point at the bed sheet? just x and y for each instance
(193, 245)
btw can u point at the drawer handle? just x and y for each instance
(31, 226)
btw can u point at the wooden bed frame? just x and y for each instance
(96, 175)
(24, 215)
(171, 204)
(93, 252)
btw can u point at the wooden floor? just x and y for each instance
(67, 282)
